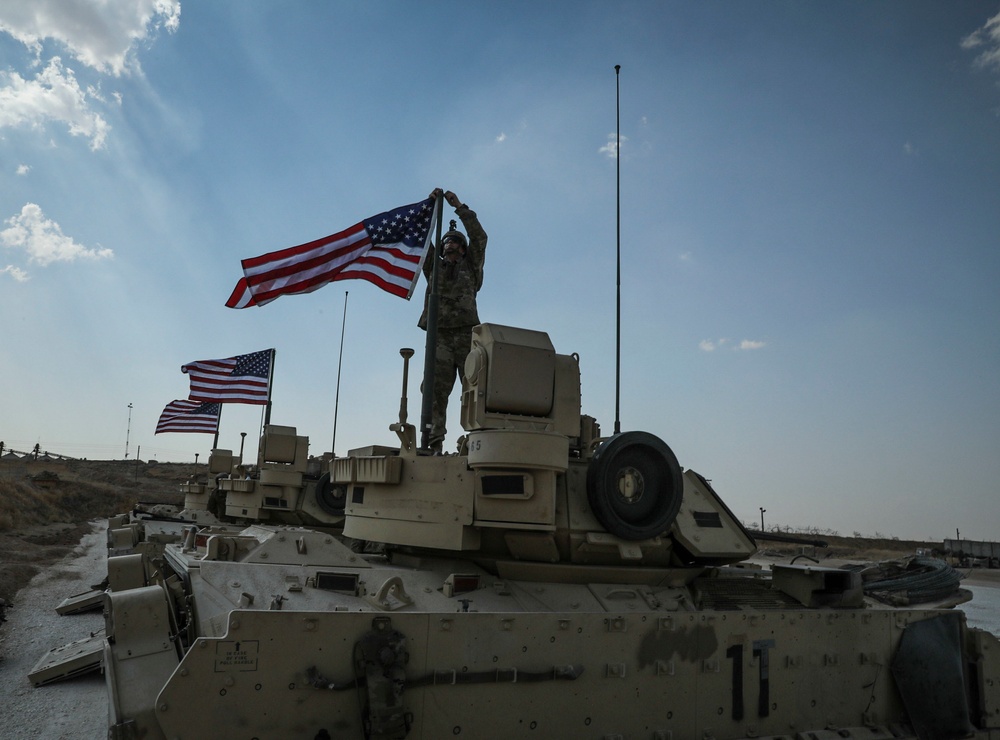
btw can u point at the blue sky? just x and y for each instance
(810, 220)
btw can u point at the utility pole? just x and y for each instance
(762, 510)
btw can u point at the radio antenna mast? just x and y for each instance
(618, 286)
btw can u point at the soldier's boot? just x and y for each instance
(436, 443)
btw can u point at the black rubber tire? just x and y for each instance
(330, 498)
(653, 468)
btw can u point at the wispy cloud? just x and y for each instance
(15, 272)
(502, 137)
(987, 41)
(101, 35)
(710, 345)
(611, 148)
(23, 169)
(53, 95)
(43, 240)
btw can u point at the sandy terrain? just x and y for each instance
(982, 577)
(72, 710)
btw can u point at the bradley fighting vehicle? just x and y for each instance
(543, 582)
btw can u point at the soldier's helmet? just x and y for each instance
(454, 235)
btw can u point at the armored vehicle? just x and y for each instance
(543, 581)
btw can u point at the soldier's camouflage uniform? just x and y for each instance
(458, 283)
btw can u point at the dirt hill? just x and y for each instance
(45, 506)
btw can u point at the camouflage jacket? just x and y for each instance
(458, 282)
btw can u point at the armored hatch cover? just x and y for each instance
(83, 602)
(69, 661)
(706, 528)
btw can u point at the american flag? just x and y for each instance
(387, 250)
(240, 379)
(189, 416)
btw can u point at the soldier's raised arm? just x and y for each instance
(475, 231)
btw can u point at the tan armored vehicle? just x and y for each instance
(543, 582)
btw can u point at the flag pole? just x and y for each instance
(266, 413)
(270, 380)
(618, 293)
(430, 347)
(340, 364)
(215, 439)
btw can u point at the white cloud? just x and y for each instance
(710, 345)
(15, 272)
(53, 95)
(611, 148)
(986, 38)
(23, 169)
(501, 138)
(44, 240)
(100, 34)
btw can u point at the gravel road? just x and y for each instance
(72, 710)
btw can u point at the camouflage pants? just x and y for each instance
(452, 348)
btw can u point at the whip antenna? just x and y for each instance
(618, 286)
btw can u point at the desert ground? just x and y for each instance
(46, 506)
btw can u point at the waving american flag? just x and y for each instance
(386, 249)
(189, 416)
(239, 379)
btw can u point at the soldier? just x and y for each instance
(460, 276)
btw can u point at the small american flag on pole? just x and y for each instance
(386, 250)
(239, 379)
(189, 416)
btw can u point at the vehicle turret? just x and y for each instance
(534, 482)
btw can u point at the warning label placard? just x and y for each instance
(236, 655)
